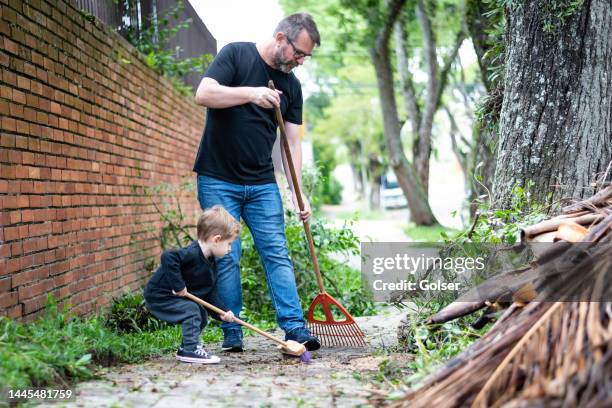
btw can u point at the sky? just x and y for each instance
(255, 20)
(244, 20)
(239, 20)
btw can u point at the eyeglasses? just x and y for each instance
(297, 53)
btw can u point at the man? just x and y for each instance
(234, 161)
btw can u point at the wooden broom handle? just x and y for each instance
(237, 320)
(298, 193)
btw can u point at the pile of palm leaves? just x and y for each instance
(552, 347)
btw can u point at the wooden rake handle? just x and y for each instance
(297, 191)
(237, 320)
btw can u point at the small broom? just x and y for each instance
(332, 332)
(289, 347)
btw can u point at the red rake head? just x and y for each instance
(334, 332)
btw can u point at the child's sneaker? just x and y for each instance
(199, 356)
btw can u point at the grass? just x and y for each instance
(356, 214)
(61, 348)
(432, 233)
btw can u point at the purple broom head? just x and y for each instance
(306, 357)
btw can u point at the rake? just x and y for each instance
(332, 332)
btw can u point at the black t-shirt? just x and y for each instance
(237, 142)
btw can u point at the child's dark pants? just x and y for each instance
(175, 309)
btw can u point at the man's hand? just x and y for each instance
(266, 97)
(307, 212)
(182, 293)
(228, 316)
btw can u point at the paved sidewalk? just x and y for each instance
(259, 377)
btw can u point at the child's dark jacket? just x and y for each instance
(186, 267)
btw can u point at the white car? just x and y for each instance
(391, 194)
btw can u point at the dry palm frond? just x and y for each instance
(545, 353)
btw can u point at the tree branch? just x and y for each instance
(429, 44)
(448, 64)
(406, 82)
(394, 7)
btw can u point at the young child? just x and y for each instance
(192, 269)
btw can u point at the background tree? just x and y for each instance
(380, 18)
(421, 111)
(356, 26)
(352, 124)
(557, 114)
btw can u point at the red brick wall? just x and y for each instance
(85, 128)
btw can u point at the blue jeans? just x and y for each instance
(262, 210)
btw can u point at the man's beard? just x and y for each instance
(283, 65)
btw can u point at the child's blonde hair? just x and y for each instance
(217, 221)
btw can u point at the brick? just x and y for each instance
(23, 201)
(11, 233)
(7, 140)
(23, 83)
(8, 299)
(21, 142)
(5, 284)
(29, 114)
(5, 59)
(22, 127)
(19, 97)
(6, 92)
(15, 217)
(33, 275)
(4, 107)
(11, 46)
(17, 110)
(9, 124)
(5, 28)
(22, 172)
(32, 305)
(59, 267)
(10, 78)
(26, 292)
(26, 261)
(42, 117)
(12, 265)
(14, 312)
(30, 245)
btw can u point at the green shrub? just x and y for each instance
(152, 41)
(328, 189)
(433, 345)
(341, 281)
(128, 314)
(502, 226)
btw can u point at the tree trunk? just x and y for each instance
(420, 212)
(556, 114)
(356, 168)
(376, 169)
